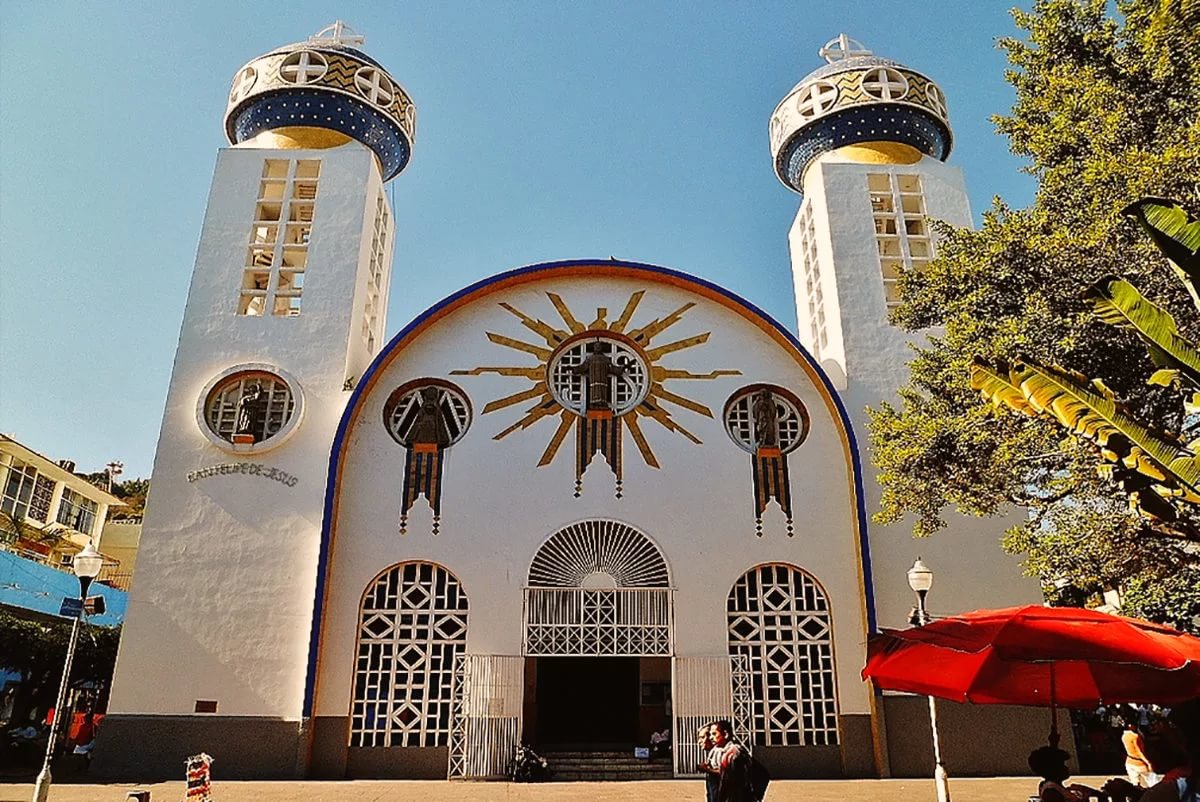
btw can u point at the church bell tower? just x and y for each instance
(285, 311)
(863, 140)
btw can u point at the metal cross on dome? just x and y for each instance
(843, 47)
(339, 33)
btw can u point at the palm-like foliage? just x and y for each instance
(1157, 468)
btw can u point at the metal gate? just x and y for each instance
(707, 689)
(485, 715)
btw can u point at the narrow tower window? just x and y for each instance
(807, 248)
(375, 276)
(273, 279)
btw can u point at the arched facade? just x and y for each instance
(599, 516)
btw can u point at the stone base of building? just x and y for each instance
(151, 748)
(976, 740)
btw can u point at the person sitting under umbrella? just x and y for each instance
(1050, 763)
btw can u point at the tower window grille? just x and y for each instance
(412, 628)
(273, 278)
(901, 232)
(779, 623)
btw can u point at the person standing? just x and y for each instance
(733, 762)
(710, 765)
(1136, 764)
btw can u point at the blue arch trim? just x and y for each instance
(382, 357)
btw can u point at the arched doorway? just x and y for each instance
(598, 637)
(779, 625)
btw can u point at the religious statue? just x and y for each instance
(429, 424)
(251, 412)
(766, 420)
(598, 368)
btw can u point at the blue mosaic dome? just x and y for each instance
(324, 84)
(856, 98)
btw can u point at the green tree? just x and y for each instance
(1106, 112)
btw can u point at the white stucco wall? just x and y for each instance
(221, 605)
(871, 357)
(498, 507)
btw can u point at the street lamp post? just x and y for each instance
(86, 566)
(920, 579)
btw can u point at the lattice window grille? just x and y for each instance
(606, 623)
(412, 627)
(43, 494)
(571, 555)
(779, 623)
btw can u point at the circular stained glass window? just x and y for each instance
(598, 373)
(248, 407)
(766, 416)
(427, 412)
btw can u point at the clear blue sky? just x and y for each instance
(547, 130)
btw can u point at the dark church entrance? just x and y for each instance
(585, 702)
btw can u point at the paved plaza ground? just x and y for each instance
(1003, 789)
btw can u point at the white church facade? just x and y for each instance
(572, 504)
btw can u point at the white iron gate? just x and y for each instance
(610, 622)
(707, 689)
(485, 715)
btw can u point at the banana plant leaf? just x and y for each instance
(1089, 409)
(1175, 233)
(1118, 303)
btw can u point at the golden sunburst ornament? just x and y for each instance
(594, 376)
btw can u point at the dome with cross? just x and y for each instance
(322, 93)
(858, 99)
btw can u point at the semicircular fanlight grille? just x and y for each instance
(572, 554)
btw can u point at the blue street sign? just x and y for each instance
(70, 607)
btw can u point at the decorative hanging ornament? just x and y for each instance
(769, 422)
(426, 416)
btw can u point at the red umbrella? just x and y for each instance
(1044, 656)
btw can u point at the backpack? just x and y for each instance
(759, 778)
